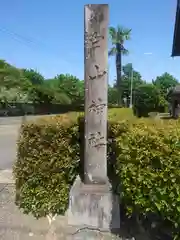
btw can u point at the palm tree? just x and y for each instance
(118, 37)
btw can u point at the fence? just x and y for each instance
(20, 109)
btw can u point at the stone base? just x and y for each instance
(92, 235)
(93, 206)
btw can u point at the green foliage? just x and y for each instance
(149, 168)
(33, 76)
(147, 165)
(72, 87)
(112, 95)
(130, 76)
(29, 86)
(165, 82)
(15, 83)
(148, 99)
(46, 165)
(127, 80)
(163, 104)
(48, 162)
(121, 114)
(118, 36)
(42, 94)
(14, 87)
(67, 88)
(13, 95)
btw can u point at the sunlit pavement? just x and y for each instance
(14, 225)
(6, 177)
(9, 132)
(8, 139)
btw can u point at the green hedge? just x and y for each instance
(143, 154)
(46, 166)
(147, 98)
(47, 163)
(148, 165)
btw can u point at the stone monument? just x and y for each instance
(92, 203)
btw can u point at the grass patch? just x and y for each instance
(115, 114)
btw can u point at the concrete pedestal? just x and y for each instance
(93, 206)
(92, 235)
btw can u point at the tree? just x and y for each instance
(11, 77)
(147, 99)
(33, 76)
(13, 95)
(112, 95)
(165, 82)
(14, 87)
(126, 81)
(69, 85)
(118, 37)
(41, 94)
(127, 71)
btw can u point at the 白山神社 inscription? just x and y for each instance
(92, 202)
(91, 43)
(96, 60)
(99, 73)
(97, 106)
(96, 139)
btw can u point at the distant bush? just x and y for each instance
(148, 99)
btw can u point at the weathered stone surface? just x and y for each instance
(88, 234)
(96, 64)
(91, 202)
(94, 206)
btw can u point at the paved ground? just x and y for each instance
(8, 139)
(14, 225)
(9, 130)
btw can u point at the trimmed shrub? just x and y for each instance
(46, 166)
(143, 156)
(48, 161)
(149, 168)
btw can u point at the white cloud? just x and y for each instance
(148, 53)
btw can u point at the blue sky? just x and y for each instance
(47, 35)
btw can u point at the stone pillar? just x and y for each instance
(92, 203)
(96, 83)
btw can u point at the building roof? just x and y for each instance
(176, 90)
(176, 40)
